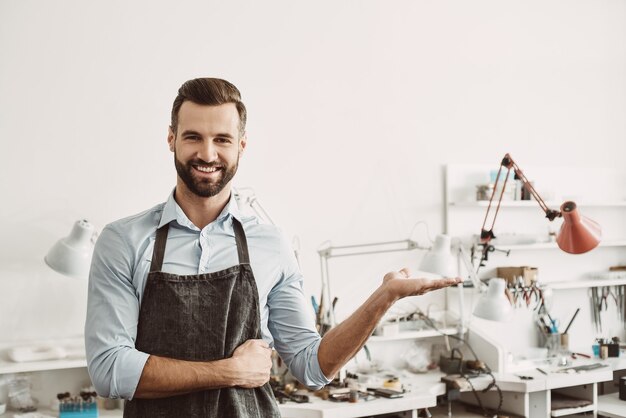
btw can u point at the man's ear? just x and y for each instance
(243, 141)
(171, 138)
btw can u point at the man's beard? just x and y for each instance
(200, 186)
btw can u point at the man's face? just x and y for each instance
(206, 146)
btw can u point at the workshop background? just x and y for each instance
(355, 107)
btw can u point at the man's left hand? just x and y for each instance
(400, 284)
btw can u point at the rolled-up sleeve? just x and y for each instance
(114, 365)
(292, 324)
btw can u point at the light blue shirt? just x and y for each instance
(117, 279)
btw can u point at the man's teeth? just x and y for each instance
(206, 169)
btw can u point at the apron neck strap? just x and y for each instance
(242, 243)
(161, 239)
(159, 248)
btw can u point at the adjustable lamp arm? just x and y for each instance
(509, 163)
(246, 196)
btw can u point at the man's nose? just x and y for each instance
(208, 151)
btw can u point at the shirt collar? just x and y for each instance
(173, 212)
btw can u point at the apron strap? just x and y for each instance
(159, 248)
(242, 243)
(158, 252)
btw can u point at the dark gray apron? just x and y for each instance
(201, 317)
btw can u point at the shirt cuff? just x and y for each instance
(314, 376)
(127, 372)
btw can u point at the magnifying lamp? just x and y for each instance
(71, 256)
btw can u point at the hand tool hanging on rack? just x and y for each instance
(594, 298)
(620, 296)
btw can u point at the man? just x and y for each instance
(186, 299)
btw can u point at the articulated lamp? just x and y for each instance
(71, 255)
(577, 235)
(438, 260)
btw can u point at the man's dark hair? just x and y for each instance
(209, 91)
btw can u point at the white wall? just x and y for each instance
(354, 108)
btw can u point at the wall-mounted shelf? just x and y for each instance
(7, 367)
(74, 359)
(581, 284)
(551, 245)
(534, 204)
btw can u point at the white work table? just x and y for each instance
(530, 398)
(533, 398)
(611, 405)
(553, 380)
(319, 408)
(424, 390)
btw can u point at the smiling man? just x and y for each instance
(187, 299)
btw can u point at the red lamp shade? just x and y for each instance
(578, 234)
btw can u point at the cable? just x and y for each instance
(486, 369)
(418, 223)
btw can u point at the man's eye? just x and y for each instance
(222, 140)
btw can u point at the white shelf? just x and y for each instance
(551, 245)
(7, 367)
(580, 284)
(534, 204)
(74, 360)
(572, 411)
(409, 335)
(611, 406)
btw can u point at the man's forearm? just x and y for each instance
(342, 342)
(163, 377)
(249, 367)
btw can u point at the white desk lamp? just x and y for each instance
(439, 259)
(493, 304)
(71, 255)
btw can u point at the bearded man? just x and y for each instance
(187, 299)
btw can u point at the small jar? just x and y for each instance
(484, 191)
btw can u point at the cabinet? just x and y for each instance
(49, 377)
(522, 229)
(542, 396)
(523, 232)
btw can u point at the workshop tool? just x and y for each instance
(594, 298)
(620, 295)
(571, 321)
(82, 405)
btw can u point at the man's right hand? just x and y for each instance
(253, 362)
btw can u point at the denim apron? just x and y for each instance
(202, 317)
